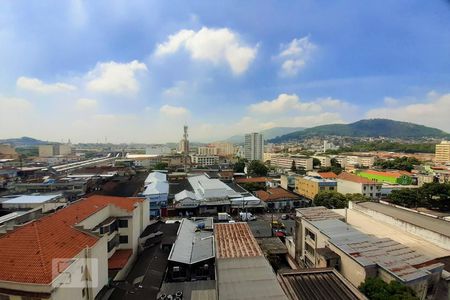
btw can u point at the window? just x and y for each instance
(123, 239)
(123, 223)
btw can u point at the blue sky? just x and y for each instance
(136, 71)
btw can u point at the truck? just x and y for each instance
(246, 216)
(223, 217)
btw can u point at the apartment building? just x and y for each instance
(224, 148)
(353, 184)
(204, 160)
(158, 150)
(254, 146)
(285, 162)
(55, 149)
(325, 161)
(355, 160)
(207, 150)
(323, 239)
(73, 253)
(309, 187)
(442, 154)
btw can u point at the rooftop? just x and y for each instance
(355, 178)
(156, 188)
(317, 213)
(276, 194)
(327, 175)
(155, 176)
(252, 180)
(316, 179)
(395, 174)
(52, 236)
(192, 244)
(192, 290)
(28, 199)
(234, 240)
(433, 224)
(401, 261)
(119, 259)
(318, 284)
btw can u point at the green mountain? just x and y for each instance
(22, 142)
(268, 134)
(367, 128)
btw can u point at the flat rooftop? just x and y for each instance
(318, 284)
(28, 199)
(192, 290)
(318, 213)
(429, 223)
(399, 260)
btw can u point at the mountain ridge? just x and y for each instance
(367, 128)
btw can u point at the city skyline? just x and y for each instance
(87, 71)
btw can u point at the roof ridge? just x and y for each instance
(38, 241)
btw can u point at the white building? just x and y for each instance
(353, 184)
(158, 150)
(68, 254)
(207, 150)
(254, 146)
(204, 160)
(224, 148)
(285, 162)
(325, 161)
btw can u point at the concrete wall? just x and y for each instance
(431, 236)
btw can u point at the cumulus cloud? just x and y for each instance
(434, 111)
(12, 104)
(215, 45)
(85, 104)
(177, 90)
(173, 111)
(36, 85)
(295, 55)
(284, 103)
(115, 78)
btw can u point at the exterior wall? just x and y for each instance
(349, 187)
(286, 162)
(325, 161)
(205, 160)
(46, 150)
(443, 152)
(254, 146)
(306, 188)
(431, 236)
(224, 148)
(207, 151)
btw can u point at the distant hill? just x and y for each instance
(367, 128)
(23, 142)
(268, 134)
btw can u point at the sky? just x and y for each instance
(137, 71)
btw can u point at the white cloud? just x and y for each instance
(12, 104)
(284, 103)
(434, 112)
(177, 90)
(173, 111)
(389, 101)
(115, 78)
(36, 85)
(295, 55)
(210, 44)
(85, 104)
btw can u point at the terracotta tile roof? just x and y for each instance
(253, 179)
(26, 253)
(234, 240)
(119, 259)
(327, 175)
(276, 194)
(355, 178)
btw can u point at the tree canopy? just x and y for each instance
(257, 168)
(431, 195)
(316, 162)
(399, 163)
(239, 166)
(331, 199)
(377, 289)
(161, 166)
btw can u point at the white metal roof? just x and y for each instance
(31, 199)
(155, 176)
(157, 187)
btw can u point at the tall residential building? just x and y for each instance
(443, 152)
(224, 148)
(254, 146)
(158, 150)
(55, 149)
(207, 150)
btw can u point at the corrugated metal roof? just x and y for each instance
(235, 240)
(318, 284)
(247, 278)
(156, 188)
(192, 244)
(25, 199)
(317, 213)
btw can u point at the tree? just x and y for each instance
(239, 166)
(330, 199)
(436, 195)
(356, 197)
(257, 168)
(293, 167)
(405, 197)
(316, 163)
(399, 163)
(161, 166)
(377, 289)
